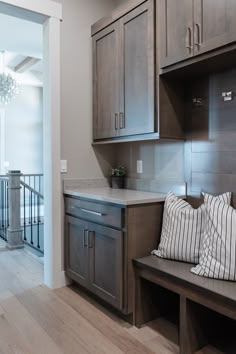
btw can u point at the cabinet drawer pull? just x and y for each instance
(122, 120)
(85, 238)
(198, 28)
(189, 39)
(116, 121)
(92, 212)
(90, 239)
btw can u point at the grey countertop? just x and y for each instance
(117, 196)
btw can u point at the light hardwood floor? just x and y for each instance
(37, 320)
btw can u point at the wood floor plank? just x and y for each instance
(32, 333)
(103, 323)
(10, 339)
(70, 331)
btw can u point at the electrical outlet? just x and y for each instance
(139, 166)
(63, 166)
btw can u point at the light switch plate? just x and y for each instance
(139, 166)
(63, 166)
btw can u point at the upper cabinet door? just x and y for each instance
(175, 30)
(137, 76)
(106, 83)
(214, 24)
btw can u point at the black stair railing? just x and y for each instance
(32, 217)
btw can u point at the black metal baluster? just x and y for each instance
(5, 204)
(34, 203)
(31, 217)
(38, 245)
(25, 239)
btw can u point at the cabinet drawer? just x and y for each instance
(93, 211)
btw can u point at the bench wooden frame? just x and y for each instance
(219, 296)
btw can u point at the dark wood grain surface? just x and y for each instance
(211, 136)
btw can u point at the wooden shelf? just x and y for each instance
(134, 138)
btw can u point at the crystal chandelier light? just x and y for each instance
(9, 88)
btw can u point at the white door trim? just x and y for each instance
(45, 7)
(54, 275)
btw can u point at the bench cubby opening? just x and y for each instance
(203, 310)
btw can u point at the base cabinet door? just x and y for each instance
(106, 264)
(76, 247)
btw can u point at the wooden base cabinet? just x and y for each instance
(100, 246)
(94, 258)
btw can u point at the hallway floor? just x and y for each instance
(35, 319)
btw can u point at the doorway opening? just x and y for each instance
(48, 16)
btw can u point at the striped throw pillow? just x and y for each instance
(218, 258)
(183, 227)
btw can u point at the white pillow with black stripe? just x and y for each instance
(183, 227)
(218, 258)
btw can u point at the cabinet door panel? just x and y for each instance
(106, 264)
(76, 250)
(106, 90)
(137, 71)
(214, 24)
(175, 31)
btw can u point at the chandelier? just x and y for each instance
(9, 88)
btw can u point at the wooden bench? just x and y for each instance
(156, 280)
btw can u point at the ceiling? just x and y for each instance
(23, 47)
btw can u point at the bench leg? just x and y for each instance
(191, 336)
(145, 309)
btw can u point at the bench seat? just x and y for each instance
(217, 295)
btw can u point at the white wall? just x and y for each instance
(76, 87)
(24, 131)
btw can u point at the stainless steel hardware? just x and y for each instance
(92, 212)
(227, 96)
(116, 121)
(90, 238)
(198, 28)
(189, 39)
(85, 238)
(197, 101)
(122, 120)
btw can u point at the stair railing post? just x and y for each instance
(14, 230)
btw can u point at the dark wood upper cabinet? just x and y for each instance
(106, 82)
(124, 74)
(137, 71)
(214, 24)
(175, 31)
(190, 28)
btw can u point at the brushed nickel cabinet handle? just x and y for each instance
(122, 120)
(85, 238)
(116, 121)
(92, 212)
(91, 239)
(198, 28)
(189, 39)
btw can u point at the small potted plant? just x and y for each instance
(118, 177)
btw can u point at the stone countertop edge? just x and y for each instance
(117, 196)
